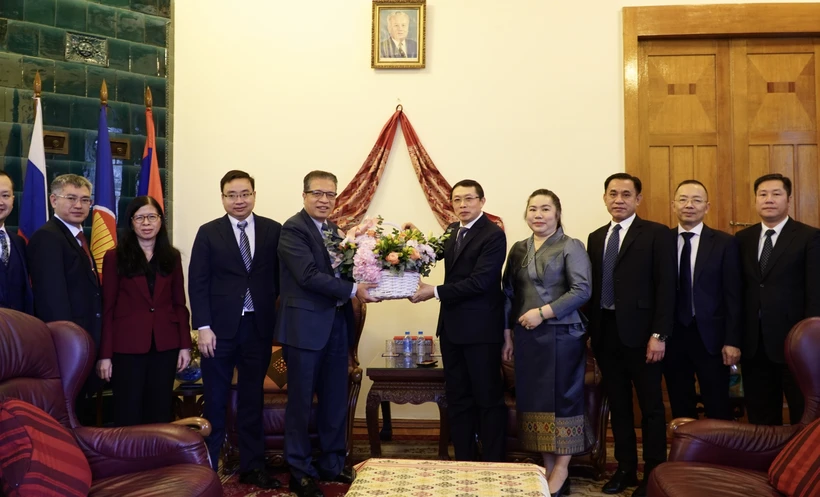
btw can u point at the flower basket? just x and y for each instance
(395, 286)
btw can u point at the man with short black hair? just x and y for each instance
(316, 328)
(781, 269)
(630, 318)
(471, 326)
(707, 333)
(15, 289)
(233, 283)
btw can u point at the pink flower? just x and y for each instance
(392, 258)
(415, 255)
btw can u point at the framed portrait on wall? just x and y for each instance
(398, 37)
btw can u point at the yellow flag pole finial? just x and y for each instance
(104, 93)
(149, 99)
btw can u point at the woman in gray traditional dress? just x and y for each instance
(546, 281)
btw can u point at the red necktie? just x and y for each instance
(84, 243)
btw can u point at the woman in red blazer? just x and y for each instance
(146, 332)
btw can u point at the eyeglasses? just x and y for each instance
(697, 202)
(151, 218)
(73, 199)
(233, 197)
(317, 194)
(464, 200)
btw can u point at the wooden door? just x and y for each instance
(726, 112)
(775, 109)
(685, 126)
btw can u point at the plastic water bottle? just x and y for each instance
(407, 344)
(421, 345)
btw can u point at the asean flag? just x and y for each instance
(104, 217)
(150, 181)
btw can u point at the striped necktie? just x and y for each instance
(245, 250)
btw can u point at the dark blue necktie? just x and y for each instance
(685, 281)
(767, 251)
(462, 232)
(610, 258)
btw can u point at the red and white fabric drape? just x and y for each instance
(353, 202)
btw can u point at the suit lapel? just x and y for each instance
(226, 230)
(75, 245)
(260, 233)
(470, 235)
(707, 242)
(142, 284)
(631, 234)
(318, 240)
(783, 240)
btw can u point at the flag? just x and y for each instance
(34, 206)
(150, 182)
(104, 217)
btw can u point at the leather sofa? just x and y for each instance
(728, 459)
(47, 364)
(593, 460)
(276, 399)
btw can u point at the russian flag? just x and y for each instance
(150, 182)
(104, 217)
(34, 205)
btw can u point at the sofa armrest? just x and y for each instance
(199, 425)
(120, 451)
(729, 443)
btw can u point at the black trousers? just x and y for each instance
(764, 383)
(475, 399)
(622, 367)
(249, 353)
(142, 385)
(323, 373)
(686, 356)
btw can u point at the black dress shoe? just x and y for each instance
(304, 487)
(619, 481)
(564, 490)
(259, 478)
(641, 490)
(346, 476)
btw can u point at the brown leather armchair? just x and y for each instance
(724, 458)
(47, 364)
(276, 399)
(593, 460)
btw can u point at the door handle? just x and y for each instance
(741, 225)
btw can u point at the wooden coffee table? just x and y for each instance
(399, 380)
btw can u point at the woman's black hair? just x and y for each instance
(131, 259)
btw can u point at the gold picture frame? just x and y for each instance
(398, 36)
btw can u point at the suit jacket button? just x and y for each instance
(98, 314)
(152, 309)
(761, 285)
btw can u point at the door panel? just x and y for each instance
(685, 130)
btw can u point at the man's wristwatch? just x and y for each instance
(659, 337)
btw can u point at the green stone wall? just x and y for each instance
(33, 36)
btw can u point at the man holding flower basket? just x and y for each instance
(315, 325)
(471, 325)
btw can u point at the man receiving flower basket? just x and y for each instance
(395, 260)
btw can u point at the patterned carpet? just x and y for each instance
(406, 449)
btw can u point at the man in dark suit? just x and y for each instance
(630, 313)
(471, 326)
(397, 45)
(15, 289)
(781, 270)
(233, 283)
(706, 340)
(316, 327)
(63, 273)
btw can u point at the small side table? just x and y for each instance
(398, 380)
(188, 400)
